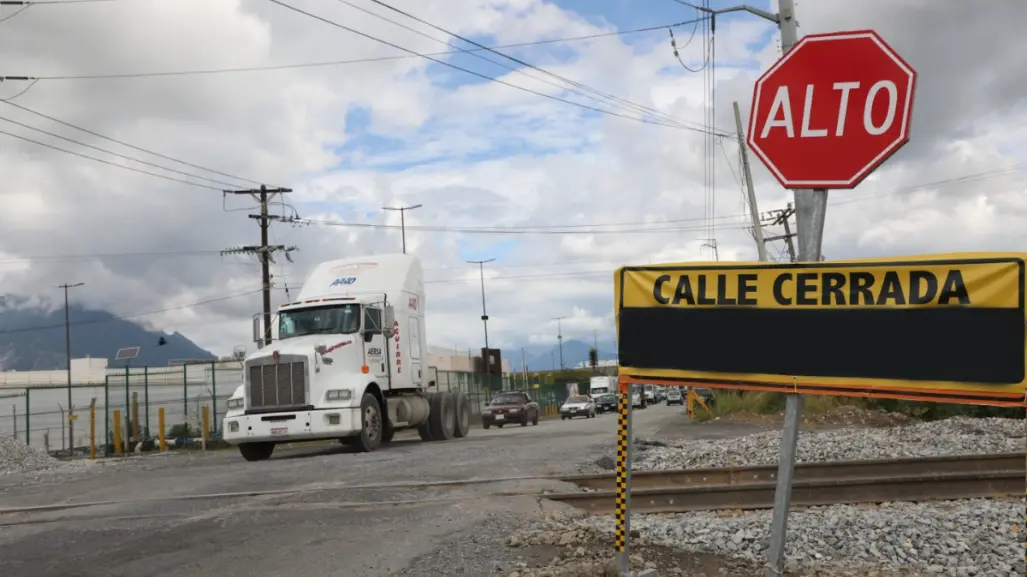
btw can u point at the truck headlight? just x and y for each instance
(339, 395)
(235, 404)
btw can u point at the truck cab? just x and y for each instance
(348, 363)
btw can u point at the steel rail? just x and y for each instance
(807, 471)
(807, 493)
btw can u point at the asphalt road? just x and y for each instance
(321, 509)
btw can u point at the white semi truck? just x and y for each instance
(349, 363)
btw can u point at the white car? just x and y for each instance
(675, 396)
(638, 400)
(578, 406)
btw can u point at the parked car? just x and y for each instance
(675, 396)
(661, 394)
(707, 395)
(649, 392)
(578, 406)
(510, 407)
(607, 403)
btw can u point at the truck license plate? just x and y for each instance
(280, 431)
(500, 417)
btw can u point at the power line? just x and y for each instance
(509, 230)
(131, 315)
(274, 67)
(128, 145)
(602, 97)
(109, 163)
(119, 155)
(466, 70)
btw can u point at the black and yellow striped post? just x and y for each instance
(623, 511)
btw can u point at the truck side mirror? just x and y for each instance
(257, 336)
(388, 321)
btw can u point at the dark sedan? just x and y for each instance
(606, 403)
(510, 407)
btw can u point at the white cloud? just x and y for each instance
(475, 153)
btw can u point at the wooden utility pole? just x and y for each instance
(781, 217)
(264, 251)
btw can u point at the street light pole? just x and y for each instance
(559, 338)
(402, 220)
(67, 351)
(484, 315)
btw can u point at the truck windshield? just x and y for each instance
(598, 390)
(335, 319)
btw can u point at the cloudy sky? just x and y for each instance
(561, 175)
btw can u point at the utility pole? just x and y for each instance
(754, 213)
(781, 219)
(264, 251)
(402, 220)
(559, 338)
(810, 210)
(484, 315)
(67, 351)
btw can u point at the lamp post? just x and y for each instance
(67, 352)
(559, 338)
(402, 220)
(484, 314)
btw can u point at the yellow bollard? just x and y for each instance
(160, 430)
(117, 432)
(92, 431)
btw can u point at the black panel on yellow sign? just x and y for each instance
(934, 319)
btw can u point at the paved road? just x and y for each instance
(320, 522)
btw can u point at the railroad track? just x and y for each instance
(926, 479)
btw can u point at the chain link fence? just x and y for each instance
(128, 402)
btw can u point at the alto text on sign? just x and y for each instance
(832, 110)
(947, 327)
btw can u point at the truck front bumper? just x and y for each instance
(282, 427)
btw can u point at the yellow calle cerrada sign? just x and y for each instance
(941, 327)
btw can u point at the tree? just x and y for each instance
(593, 359)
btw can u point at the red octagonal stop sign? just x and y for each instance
(832, 110)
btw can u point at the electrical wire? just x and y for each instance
(109, 163)
(508, 231)
(466, 70)
(585, 90)
(275, 67)
(119, 155)
(130, 315)
(132, 146)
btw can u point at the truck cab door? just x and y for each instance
(374, 343)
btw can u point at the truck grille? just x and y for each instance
(277, 385)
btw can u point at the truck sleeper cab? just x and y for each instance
(347, 365)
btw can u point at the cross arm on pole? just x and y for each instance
(775, 18)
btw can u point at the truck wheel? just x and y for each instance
(424, 429)
(462, 416)
(256, 451)
(441, 419)
(370, 424)
(388, 430)
(534, 420)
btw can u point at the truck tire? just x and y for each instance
(462, 416)
(441, 420)
(424, 429)
(388, 430)
(256, 451)
(370, 437)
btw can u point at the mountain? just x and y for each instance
(545, 357)
(32, 338)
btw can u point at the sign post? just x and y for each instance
(623, 487)
(852, 117)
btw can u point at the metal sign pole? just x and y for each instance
(810, 210)
(623, 497)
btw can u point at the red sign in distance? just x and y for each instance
(831, 110)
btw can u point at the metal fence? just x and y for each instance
(37, 414)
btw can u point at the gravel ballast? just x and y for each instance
(974, 537)
(17, 457)
(955, 436)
